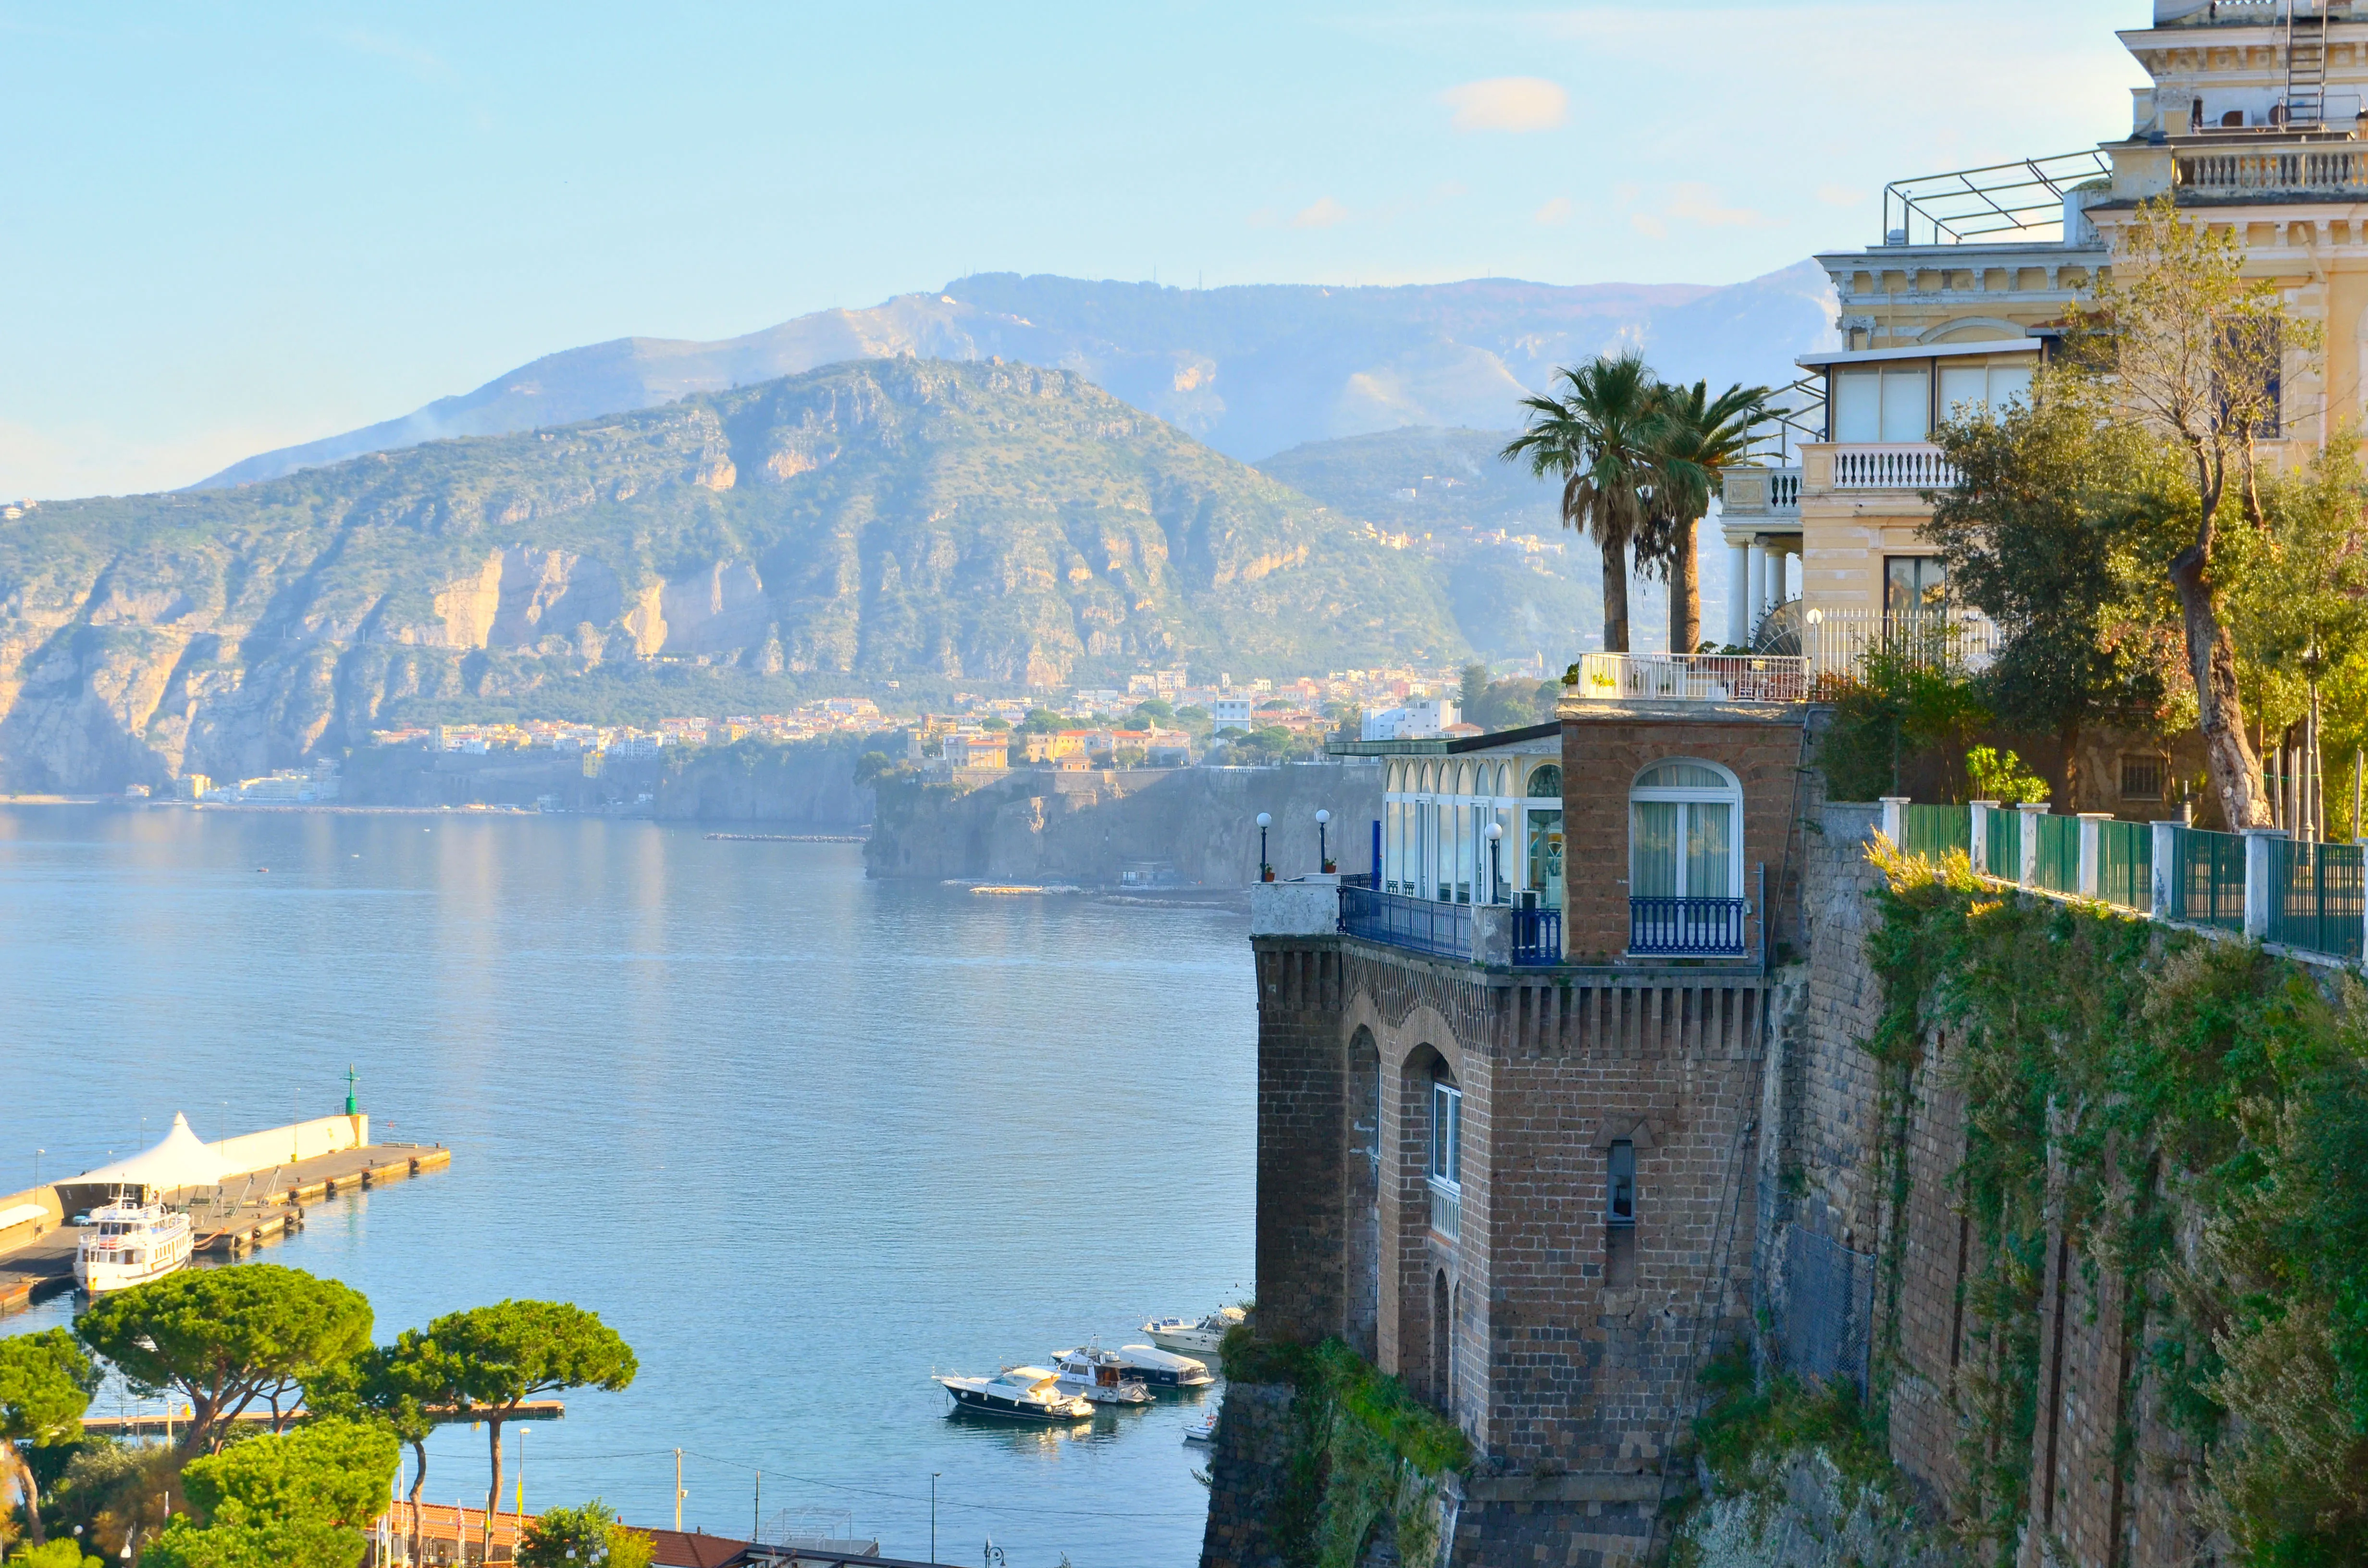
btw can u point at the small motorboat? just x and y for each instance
(1162, 1370)
(1022, 1393)
(1099, 1375)
(1204, 1430)
(129, 1242)
(1202, 1338)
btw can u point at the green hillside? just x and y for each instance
(937, 523)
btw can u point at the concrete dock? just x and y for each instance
(231, 1220)
(178, 1419)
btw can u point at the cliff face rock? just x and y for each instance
(982, 522)
(1042, 826)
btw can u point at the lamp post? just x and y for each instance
(1322, 851)
(1266, 871)
(1496, 832)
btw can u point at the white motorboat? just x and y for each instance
(1161, 1370)
(1099, 1375)
(129, 1242)
(1202, 1338)
(1204, 1430)
(1023, 1393)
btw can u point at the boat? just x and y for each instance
(1202, 1338)
(1022, 1393)
(1204, 1430)
(129, 1242)
(1099, 1375)
(1162, 1370)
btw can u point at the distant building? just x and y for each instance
(191, 786)
(1232, 712)
(976, 749)
(1425, 721)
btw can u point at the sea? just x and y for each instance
(802, 1138)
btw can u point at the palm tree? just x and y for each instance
(1599, 438)
(1695, 439)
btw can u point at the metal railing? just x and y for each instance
(1839, 641)
(1537, 936)
(2125, 864)
(2316, 897)
(1421, 923)
(1686, 928)
(1692, 677)
(2208, 878)
(1446, 1208)
(2021, 201)
(2002, 847)
(1906, 465)
(1933, 831)
(2055, 865)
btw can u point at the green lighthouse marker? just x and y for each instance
(351, 1109)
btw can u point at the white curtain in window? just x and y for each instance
(1653, 849)
(1906, 406)
(1858, 405)
(1707, 848)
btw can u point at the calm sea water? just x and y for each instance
(799, 1136)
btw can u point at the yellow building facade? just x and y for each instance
(2252, 120)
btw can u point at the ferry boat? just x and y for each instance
(1024, 1393)
(1204, 1338)
(129, 1242)
(1162, 1370)
(1100, 1375)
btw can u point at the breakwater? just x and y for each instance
(1196, 826)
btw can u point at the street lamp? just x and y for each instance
(1266, 871)
(1496, 832)
(1323, 854)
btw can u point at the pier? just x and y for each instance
(172, 1421)
(245, 1211)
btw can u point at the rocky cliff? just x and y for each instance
(985, 523)
(1043, 826)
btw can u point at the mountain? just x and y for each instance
(916, 519)
(1249, 371)
(1519, 585)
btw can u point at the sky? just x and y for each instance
(224, 230)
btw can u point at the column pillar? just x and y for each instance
(1894, 818)
(1755, 586)
(1978, 849)
(2090, 836)
(2166, 892)
(1739, 595)
(2261, 862)
(2028, 874)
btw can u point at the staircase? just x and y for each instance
(2306, 99)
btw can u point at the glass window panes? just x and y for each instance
(1972, 387)
(1682, 776)
(1446, 1132)
(1906, 404)
(1858, 405)
(1912, 584)
(1620, 1186)
(1883, 402)
(1545, 783)
(1653, 849)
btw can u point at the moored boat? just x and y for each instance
(1163, 1369)
(1099, 1375)
(129, 1242)
(1204, 1338)
(1205, 1429)
(1021, 1393)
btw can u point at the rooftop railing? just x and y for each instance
(2334, 171)
(1485, 933)
(1892, 465)
(1692, 677)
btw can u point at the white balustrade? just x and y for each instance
(1906, 465)
(1692, 677)
(1837, 641)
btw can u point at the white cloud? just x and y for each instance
(1506, 103)
(1644, 223)
(1695, 202)
(1559, 211)
(1834, 195)
(1322, 213)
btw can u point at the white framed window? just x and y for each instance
(1883, 402)
(1446, 1134)
(1974, 388)
(1685, 832)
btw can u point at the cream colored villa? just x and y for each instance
(2254, 121)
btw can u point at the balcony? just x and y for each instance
(1485, 933)
(1900, 465)
(1755, 493)
(2334, 169)
(1446, 1208)
(1687, 928)
(1692, 677)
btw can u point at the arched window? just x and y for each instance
(1463, 778)
(1545, 783)
(1685, 832)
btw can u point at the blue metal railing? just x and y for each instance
(1686, 928)
(1357, 879)
(1421, 923)
(1537, 936)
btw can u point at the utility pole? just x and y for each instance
(933, 1513)
(677, 1491)
(756, 1506)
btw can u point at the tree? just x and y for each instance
(326, 1472)
(1471, 689)
(2197, 353)
(1695, 439)
(288, 1544)
(55, 1554)
(45, 1385)
(1598, 437)
(226, 1337)
(397, 1386)
(588, 1537)
(2035, 534)
(510, 1353)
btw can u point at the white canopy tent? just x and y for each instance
(180, 1162)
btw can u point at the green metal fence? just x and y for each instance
(2125, 864)
(2002, 846)
(2056, 866)
(1933, 831)
(2316, 897)
(2208, 878)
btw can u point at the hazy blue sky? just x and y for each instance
(229, 230)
